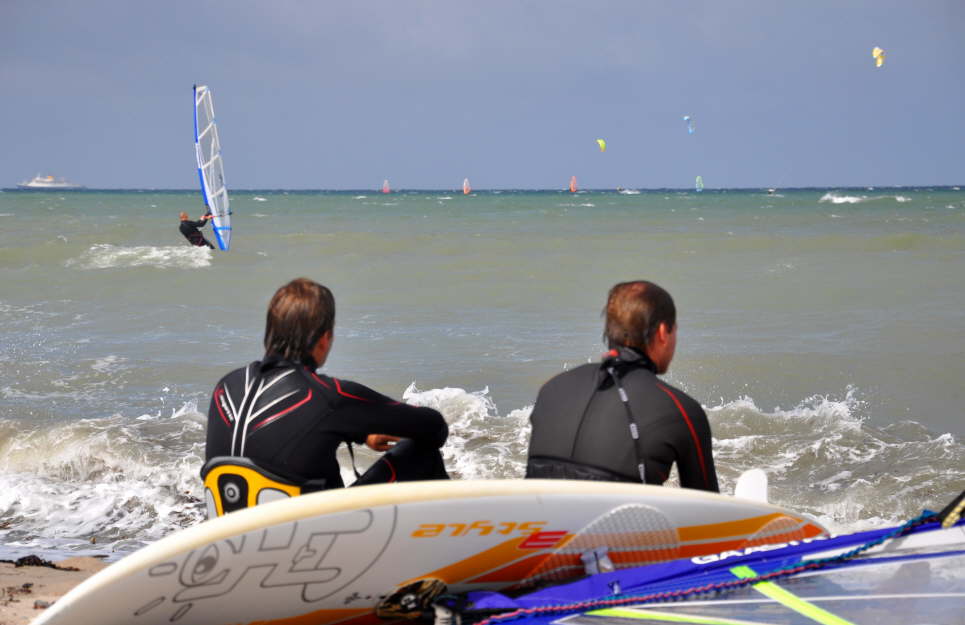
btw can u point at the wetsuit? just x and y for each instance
(290, 420)
(190, 231)
(581, 427)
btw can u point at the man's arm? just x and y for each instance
(362, 411)
(692, 443)
(695, 460)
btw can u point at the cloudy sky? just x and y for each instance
(513, 94)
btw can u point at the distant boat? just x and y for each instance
(466, 189)
(48, 182)
(385, 187)
(573, 184)
(771, 191)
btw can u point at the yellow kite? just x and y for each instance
(879, 56)
(602, 144)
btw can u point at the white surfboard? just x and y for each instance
(331, 557)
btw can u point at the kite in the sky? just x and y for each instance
(602, 144)
(690, 123)
(879, 56)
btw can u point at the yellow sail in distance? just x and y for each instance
(602, 144)
(879, 56)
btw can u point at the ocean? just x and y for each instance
(823, 330)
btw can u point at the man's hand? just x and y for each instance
(381, 442)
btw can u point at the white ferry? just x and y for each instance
(48, 182)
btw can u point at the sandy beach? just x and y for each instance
(26, 590)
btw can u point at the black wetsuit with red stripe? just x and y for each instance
(581, 427)
(290, 420)
(190, 231)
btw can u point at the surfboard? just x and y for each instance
(335, 556)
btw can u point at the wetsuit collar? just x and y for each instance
(623, 358)
(270, 361)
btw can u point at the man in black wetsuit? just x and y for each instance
(190, 230)
(290, 420)
(616, 421)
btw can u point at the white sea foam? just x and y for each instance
(106, 256)
(825, 460)
(629, 192)
(835, 198)
(258, 198)
(108, 364)
(129, 480)
(482, 444)
(111, 478)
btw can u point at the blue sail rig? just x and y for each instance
(207, 147)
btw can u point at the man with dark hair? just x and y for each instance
(290, 420)
(616, 421)
(190, 230)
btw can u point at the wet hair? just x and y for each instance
(634, 310)
(299, 314)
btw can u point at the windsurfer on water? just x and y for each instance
(190, 230)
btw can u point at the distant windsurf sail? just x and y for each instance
(385, 187)
(699, 184)
(466, 189)
(691, 125)
(210, 166)
(573, 184)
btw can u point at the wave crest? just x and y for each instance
(106, 256)
(835, 198)
(482, 443)
(825, 460)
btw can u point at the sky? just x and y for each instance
(511, 94)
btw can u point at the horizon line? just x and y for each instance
(490, 189)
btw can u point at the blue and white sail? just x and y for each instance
(210, 165)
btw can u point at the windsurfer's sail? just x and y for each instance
(466, 189)
(385, 187)
(699, 184)
(912, 573)
(573, 184)
(210, 166)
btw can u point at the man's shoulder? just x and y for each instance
(254, 370)
(568, 377)
(680, 396)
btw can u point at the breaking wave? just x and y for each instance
(129, 480)
(106, 256)
(835, 198)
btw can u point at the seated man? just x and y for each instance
(616, 420)
(288, 419)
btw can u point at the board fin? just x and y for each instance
(752, 484)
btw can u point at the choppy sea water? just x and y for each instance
(823, 331)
